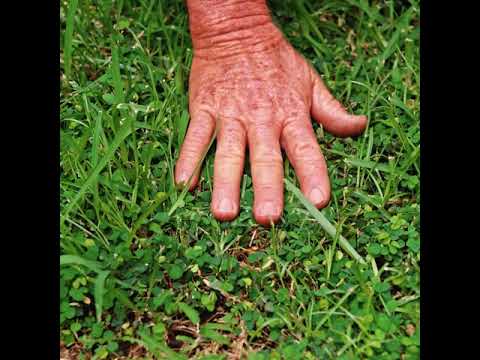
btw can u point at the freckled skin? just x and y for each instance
(249, 83)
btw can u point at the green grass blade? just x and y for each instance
(331, 254)
(125, 130)
(67, 45)
(181, 126)
(99, 292)
(337, 305)
(77, 260)
(117, 78)
(368, 164)
(323, 221)
(96, 139)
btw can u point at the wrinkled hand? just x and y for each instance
(258, 91)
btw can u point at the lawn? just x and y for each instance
(148, 273)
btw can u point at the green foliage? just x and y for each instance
(146, 266)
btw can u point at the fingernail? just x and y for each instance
(182, 178)
(268, 209)
(225, 205)
(316, 196)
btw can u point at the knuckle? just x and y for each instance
(191, 148)
(227, 167)
(267, 160)
(231, 140)
(228, 160)
(197, 136)
(229, 155)
(333, 105)
(268, 187)
(263, 154)
(304, 150)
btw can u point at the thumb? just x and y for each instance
(328, 111)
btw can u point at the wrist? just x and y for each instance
(227, 27)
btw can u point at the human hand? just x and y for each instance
(250, 84)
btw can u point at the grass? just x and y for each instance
(147, 273)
